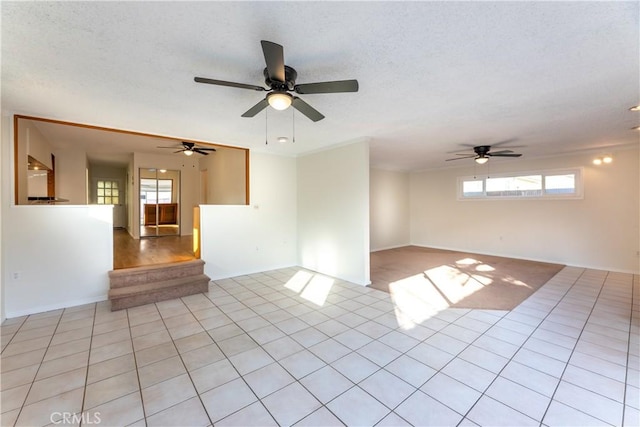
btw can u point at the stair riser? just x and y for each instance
(150, 276)
(161, 295)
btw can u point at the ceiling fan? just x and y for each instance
(481, 153)
(188, 148)
(281, 80)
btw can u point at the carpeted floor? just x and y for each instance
(458, 279)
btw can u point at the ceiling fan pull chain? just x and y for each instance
(266, 127)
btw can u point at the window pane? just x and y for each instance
(115, 192)
(101, 200)
(100, 184)
(472, 188)
(107, 192)
(164, 197)
(100, 191)
(107, 184)
(107, 200)
(114, 184)
(560, 184)
(515, 186)
(114, 200)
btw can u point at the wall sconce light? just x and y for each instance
(606, 159)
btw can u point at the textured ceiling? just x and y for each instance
(556, 77)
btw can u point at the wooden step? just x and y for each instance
(154, 273)
(146, 293)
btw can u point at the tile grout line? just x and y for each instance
(510, 359)
(573, 350)
(39, 366)
(86, 374)
(135, 364)
(222, 352)
(626, 373)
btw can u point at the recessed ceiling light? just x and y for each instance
(282, 139)
(635, 108)
(597, 161)
(607, 159)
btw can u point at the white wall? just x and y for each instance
(600, 231)
(226, 176)
(389, 209)
(6, 170)
(240, 239)
(54, 267)
(71, 176)
(333, 212)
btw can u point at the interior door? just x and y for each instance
(111, 191)
(159, 202)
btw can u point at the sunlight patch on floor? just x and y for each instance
(421, 296)
(415, 300)
(454, 284)
(313, 287)
(513, 281)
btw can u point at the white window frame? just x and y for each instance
(577, 172)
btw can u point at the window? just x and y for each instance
(148, 189)
(540, 184)
(108, 192)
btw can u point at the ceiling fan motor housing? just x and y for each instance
(290, 76)
(482, 150)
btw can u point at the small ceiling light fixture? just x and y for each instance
(606, 159)
(482, 160)
(635, 108)
(163, 170)
(282, 139)
(279, 100)
(188, 152)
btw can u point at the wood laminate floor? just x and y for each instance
(129, 252)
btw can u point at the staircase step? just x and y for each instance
(154, 273)
(146, 293)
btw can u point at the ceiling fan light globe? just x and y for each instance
(188, 152)
(279, 100)
(482, 160)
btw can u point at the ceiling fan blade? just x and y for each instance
(497, 153)
(462, 157)
(256, 108)
(200, 151)
(306, 109)
(230, 84)
(274, 57)
(206, 149)
(504, 154)
(328, 87)
(179, 151)
(506, 141)
(174, 147)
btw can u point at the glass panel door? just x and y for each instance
(159, 202)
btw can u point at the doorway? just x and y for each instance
(159, 202)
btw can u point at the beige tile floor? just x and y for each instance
(288, 347)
